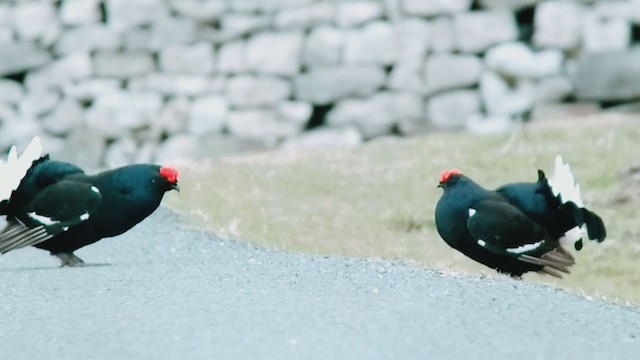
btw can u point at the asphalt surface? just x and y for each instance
(163, 291)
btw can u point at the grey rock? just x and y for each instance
(378, 114)
(414, 126)
(478, 30)
(413, 39)
(6, 33)
(558, 24)
(490, 124)
(553, 89)
(86, 38)
(200, 10)
(608, 76)
(305, 16)
(171, 30)
(231, 57)
(501, 98)
(556, 111)
(122, 65)
(518, 60)
(295, 112)
(616, 10)
(36, 103)
(92, 143)
(260, 124)
(122, 14)
(323, 46)
(181, 146)
(66, 116)
(35, 20)
(6, 30)
(87, 90)
(18, 131)
(358, 12)
(442, 35)
(8, 113)
(10, 91)
(114, 114)
(451, 110)
(121, 152)
(268, 6)
(208, 114)
(137, 38)
(325, 85)
(276, 53)
(17, 57)
(393, 9)
(146, 153)
(326, 137)
(444, 71)
(60, 73)
(600, 35)
(508, 4)
(434, 7)
(75, 12)
(248, 90)
(174, 84)
(173, 117)
(52, 144)
(188, 59)
(374, 43)
(240, 24)
(408, 76)
(216, 146)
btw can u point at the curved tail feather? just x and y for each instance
(16, 167)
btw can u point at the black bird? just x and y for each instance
(55, 206)
(519, 227)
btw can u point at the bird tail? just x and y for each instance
(13, 170)
(564, 187)
(563, 184)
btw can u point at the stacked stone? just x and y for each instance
(147, 80)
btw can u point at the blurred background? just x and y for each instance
(147, 80)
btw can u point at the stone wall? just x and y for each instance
(144, 80)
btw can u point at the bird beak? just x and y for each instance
(439, 186)
(175, 187)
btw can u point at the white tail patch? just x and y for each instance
(563, 183)
(571, 236)
(15, 168)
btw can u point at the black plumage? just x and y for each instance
(59, 208)
(517, 228)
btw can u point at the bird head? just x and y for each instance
(449, 177)
(171, 175)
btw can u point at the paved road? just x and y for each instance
(172, 293)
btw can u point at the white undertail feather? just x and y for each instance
(562, 182)
(571, 236)
(15, 167)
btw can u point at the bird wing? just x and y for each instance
(503, 229)
(53, 211)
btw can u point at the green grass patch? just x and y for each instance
(377, 201)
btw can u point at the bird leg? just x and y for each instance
(69, 259)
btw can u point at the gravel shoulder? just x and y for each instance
(169, 292)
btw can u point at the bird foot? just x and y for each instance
(69, 259)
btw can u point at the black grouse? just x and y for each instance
(55, 206)
(518, 227)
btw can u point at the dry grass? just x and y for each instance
(377, 201)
